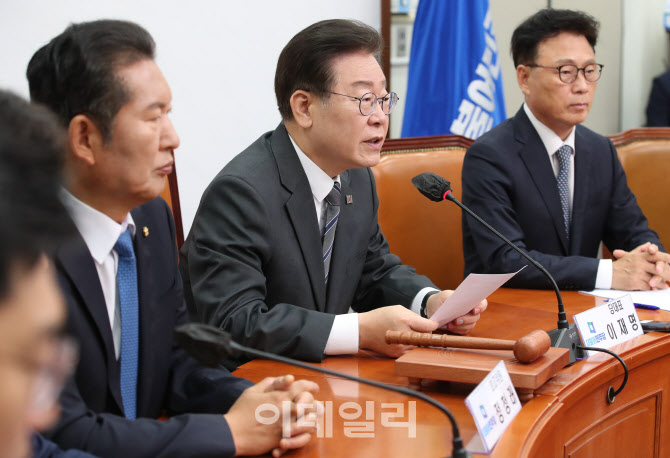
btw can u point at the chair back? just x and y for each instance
(424, 234)
(645, 156)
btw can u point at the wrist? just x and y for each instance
(424, 303)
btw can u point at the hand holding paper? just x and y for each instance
(474, 289)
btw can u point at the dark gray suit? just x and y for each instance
(508, 180)
(252, 261)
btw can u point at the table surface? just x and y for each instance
(511, 314)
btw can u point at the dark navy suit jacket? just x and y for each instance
(169, 381)
(509, 182)
(658, 107)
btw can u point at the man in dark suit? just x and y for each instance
(119, 274)
(550, 185)
(286, 237)
(35, 356)
(658, 106)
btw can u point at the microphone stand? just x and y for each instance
(211, 346)
(565, 335)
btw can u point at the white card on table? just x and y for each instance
(493, 404)
(609, 324)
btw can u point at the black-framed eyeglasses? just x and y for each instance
(568, 73)
(368, 101)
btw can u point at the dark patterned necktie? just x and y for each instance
(333, 201)
(563, 155)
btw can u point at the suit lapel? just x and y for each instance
(346, 226)
(79, 266)
(534, 156)
(145, 285)
(300, 207)
(580, 192)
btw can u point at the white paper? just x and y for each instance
(474, 289)
(660, 298)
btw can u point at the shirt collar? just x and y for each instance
(319, 181)
(99, 231)
(551, 141)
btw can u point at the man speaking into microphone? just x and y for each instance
(286, 237)
(550, 185)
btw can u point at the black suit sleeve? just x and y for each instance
(658, 107)
(488, 190)
(109, 435)
(226, 255)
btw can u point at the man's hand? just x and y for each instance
(462, 324)
(643, 268)
(254, 438)
(372, 327)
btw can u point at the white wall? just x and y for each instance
(218, 56)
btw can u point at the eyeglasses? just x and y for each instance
(368, 101)
(51, 378)
(569, 73)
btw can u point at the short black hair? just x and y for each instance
(32, 150)
(75, 73)
(305, 62)
(548, 23)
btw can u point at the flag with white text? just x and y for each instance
(454, 81)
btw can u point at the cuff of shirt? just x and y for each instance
(343, 338)
(604, 275)
(418, 299)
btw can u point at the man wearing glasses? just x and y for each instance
(35, 356)
(286, 237)
(552, 186)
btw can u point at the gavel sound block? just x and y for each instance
(470, 359)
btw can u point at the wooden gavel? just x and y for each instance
(526, 350)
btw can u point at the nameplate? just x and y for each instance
(493, 404)
(609, 324)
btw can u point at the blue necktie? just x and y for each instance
(333, 201)
(126, 278)
(563, 155)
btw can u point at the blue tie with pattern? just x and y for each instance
(333, 201)
(563, 155)
(126, 279)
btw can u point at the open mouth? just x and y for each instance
(375, 141)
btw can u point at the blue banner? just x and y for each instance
(454, 83)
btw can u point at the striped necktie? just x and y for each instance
(333, 201)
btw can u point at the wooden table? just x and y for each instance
(569, 415)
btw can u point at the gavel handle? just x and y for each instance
(426, 339)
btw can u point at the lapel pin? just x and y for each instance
(350, 199)
(145, 231)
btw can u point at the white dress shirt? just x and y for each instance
(552, 143)
(343, 338)
(100, 234)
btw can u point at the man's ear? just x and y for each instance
(85, 138)
(302, 105)
(522, 76)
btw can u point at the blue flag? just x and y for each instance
(454, 83)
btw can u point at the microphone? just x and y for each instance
(211, 346)
(565, 335)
